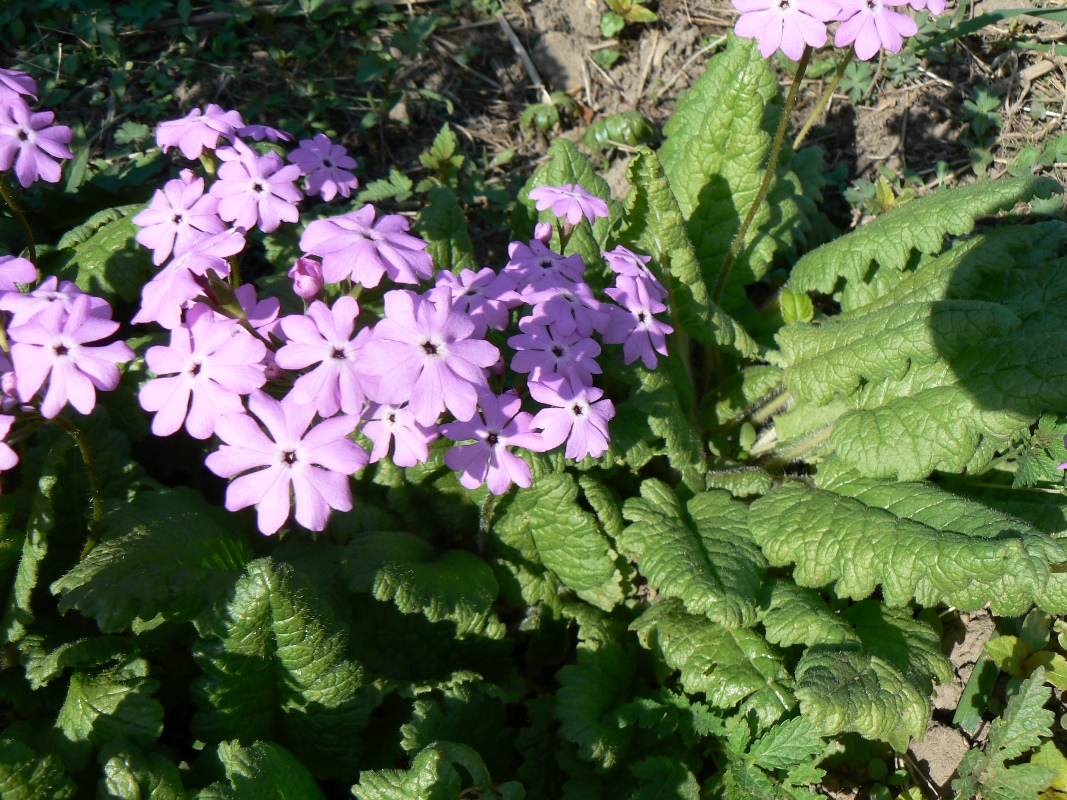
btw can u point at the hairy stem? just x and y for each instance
(815, 114)
(768, 177)
(16, 212)
(94, 481)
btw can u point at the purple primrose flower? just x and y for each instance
(30, 143)
(386, 423)
(179, 214)
(198, 130)
(254, 189)
(578, 416)
(570, 201)
(326, 166)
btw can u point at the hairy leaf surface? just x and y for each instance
(102, 257)
(261, 770)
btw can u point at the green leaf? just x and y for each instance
(398, 186)
(129, 774)
(275, 665)
(664, 778)
(922, 224)
(25, 776)
(43, 664)
(942, 556)
(792, 742)
(793, 615)
(796, 306)
(1022, 727)
(716, 147)
(443, 225)
(702, 555)
(431, 777)
(102, 257)
(624, 127)
(442, 157)
(403, 569)
(18, 615)
(103, 706)
(656, 227)
(728, 665)
(567, 165)
(565, 538)
(166, 552)
(262, 770)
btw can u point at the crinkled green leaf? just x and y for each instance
(130, 774)
(656, 227)
(664, 778)
(921, 225)
(728, 665)
(672, 712)
(275, 664)
(858, 547)
(714, 155)
(443, 225)
(102, 257)
(740, 482)
(19, 615)
(1043, 453)
(403, 569)
(787, 744)
(26, 776)
(565, 539)
(166, 552)
(702, 554)
(431, 777)
(1022, 727)
(792, 614)
(106, 705)
(261, 770)
(44, 663)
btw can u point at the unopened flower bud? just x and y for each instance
(543, 232)
(307, 278)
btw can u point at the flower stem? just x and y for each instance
(768, 176)
(94, 481)
(825, 97)
(21, 218)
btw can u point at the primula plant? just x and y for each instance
(301, 500)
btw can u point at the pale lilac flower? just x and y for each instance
(307, 278)
(935, 6)
(642, 334)
(870, 25)
(484, 296)
(626, 262)
(13, 271)
(500, 425)
(164, 297)
(30, 143)
(424, 353)
(262, 315)
(254, 189)
(543, 351)
(179, 214)
(355, 246)
(198, 130)
(8, 457)
(543, 232)
(16, 82)
(788, 25)
(258, 133)
(569, 309)
(9, 387)
(24, 307)
(570, 201)
(537, 267)
(211, 366)
(326, 336)
(325, 165)
(578, 416)
(53, 346)
(385, 423)
(314, 464)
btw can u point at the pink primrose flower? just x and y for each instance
(569, 309)
(326, 337)
(16, 82)
(254, 189)
(935, 6)
(578, 416)
(386, 423)
(500, 425)
(262, 315)
(179, 214)
(307, 278)
(30, 143)
(355, 246)
(537, 267)
(870, 25)
(52, 346)
(626, 262)
(313, 465)
(570, 201)
(198, 130)
(543, 351)
(543, 232)
(788, 25)
(485, 296)
(212, 368)
(15, 270)
(424, 352)
(24, 307)
(8, 457)
(633, 326)
(326, 166)
(258, 133)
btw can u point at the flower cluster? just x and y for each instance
(29, 141)
(790, 25)
(459, 359)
